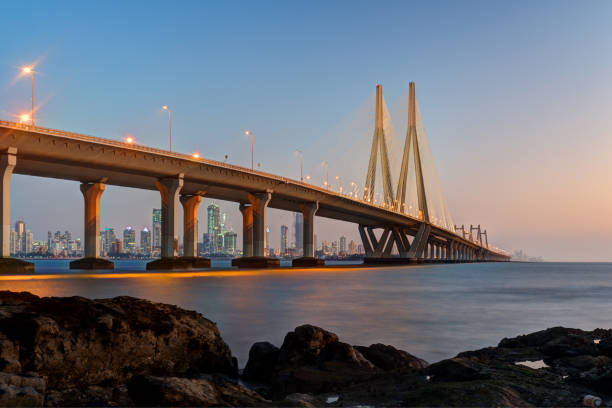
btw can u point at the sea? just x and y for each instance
(431, 311)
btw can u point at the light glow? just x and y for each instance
(24, 117)
(27, 70)
(196, 155)
(129, 140)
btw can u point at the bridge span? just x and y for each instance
(185, 179)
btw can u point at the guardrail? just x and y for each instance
(182, 156)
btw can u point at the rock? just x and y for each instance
(314, 360)
(89, 396)
(77, 342)
(262, 359)
(457, 369)
(303, 345)
(19, 391)
(174, 391)
(605, 347)
(538, 338)
(389, 358)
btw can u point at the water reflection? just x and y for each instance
(431, 311)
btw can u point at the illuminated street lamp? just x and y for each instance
(249, 133)
(301, 163)
(29, 70)
(339, 180)
(129, 140)
(324, 163)
(165, 107)
(24, 117)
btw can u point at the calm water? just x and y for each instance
(432, 311)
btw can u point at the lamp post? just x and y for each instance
(339, 180)
(166, 107)
(324, 163)
(249, 133)
(30, 70)
(301, 164)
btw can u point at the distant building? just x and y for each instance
(299, 233)
(21, 237)
(116, 248)
(342, 245)
(109, 238)
(284, 230)
(352, 249)
(156, 229)
(29, 237)
(229, 241)
(129, 240)
(145, 240)
(214, 228)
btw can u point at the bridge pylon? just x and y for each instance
(379, 143)
(411, 145)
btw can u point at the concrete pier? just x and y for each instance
(254, 225)
(308, 259)
(169, 189)
(190, 205)
(8, 160)
(92, 193)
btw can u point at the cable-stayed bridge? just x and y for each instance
(410, 223)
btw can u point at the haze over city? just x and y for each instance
(516, 102)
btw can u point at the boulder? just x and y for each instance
(20, 391)
(389, 358)
(262, 359)
(77, 342)
(185, 392)
(303, 346)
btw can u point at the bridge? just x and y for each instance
(392, 231)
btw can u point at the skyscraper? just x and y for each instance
(156, 232)
(129, 240)
(214, 228)
(342, 244)
(283, 239)
(145, 240)
(21, 237)
(229, 241)
(109, 238)
(29, 237)
(299, 232)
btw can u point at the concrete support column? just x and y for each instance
(432, 251)
(8, 160)
(247, 229)
(169, 189)
(259, 203)
(308, 211)
(190, 205)
(438, 251)
(92, 193)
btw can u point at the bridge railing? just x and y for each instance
(183, 156)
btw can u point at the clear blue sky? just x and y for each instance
(516, 97)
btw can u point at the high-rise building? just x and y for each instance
(267, 239)
(229, 241)
(214, 228)
(145, 240)
(352, 248)
(13, 242)
(156, 232)
(116, 248)
(129, 240)
(284, 230)
(343, 245)
(109, 238)
(29, 237)
(206, 244)
(299, 232)
(21, 237)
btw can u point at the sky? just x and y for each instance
(516, 98)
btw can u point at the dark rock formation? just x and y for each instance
(75, 351)
(262, 359)
(389, 358)
(172, 391)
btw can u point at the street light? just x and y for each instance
(339, 184)
(165, 107)
(301, 163)
(249, 133)
(324, 163)
(24, 117)
(30, 70)
(129, 140)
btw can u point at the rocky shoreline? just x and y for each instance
(131, 352)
